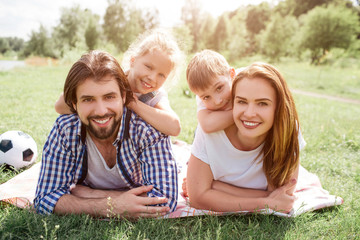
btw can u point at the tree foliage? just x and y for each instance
(92, 35)
(40, 44)
(191, 16)
(221, 34)
(328, 27)
(9, 44)
(238, 43)
(277, 39)
(71, 30)
(123, 22)
(257, 17)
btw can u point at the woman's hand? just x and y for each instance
(280, 200)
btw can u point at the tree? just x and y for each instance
(191, 16)
(298, 7)
(71, 30)
(92, 35)
(39, 44)
(207, 29)
(257, 17)
(123, 22)
(238, 44)
(4, 45)
(276, 40)
(221, 34)
(326, 28)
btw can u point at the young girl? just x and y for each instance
(253, 164)
(151, 60)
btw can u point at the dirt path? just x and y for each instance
(318, 95)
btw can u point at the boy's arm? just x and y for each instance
(213, 121)
(161, 117)
(61, 107)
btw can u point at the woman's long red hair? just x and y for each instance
(281, 146)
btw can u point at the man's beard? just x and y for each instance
(103, 133)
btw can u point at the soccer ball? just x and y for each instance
(17, 149)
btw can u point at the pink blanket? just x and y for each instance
(20, 191)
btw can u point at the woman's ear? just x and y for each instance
(132, 60)
(232, 73)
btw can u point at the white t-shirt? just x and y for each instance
(99, 175)
(228, 164)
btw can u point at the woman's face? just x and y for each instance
(254, 108)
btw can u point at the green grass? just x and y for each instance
(330, 128)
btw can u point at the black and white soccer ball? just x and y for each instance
(17, 149)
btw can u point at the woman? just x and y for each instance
(253, 164)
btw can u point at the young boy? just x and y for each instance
(209, 76)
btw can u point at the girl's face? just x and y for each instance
(254, 109)
(148, 72)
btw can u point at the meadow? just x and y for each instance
(330, 128)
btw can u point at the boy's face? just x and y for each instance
(217, 97)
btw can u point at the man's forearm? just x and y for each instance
(71, 204)
(87, 192)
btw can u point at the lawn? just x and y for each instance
(330, 128)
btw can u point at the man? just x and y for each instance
(104, 160)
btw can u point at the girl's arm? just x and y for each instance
(161, 117)
(213, 121)
(61, 107)
(203, 196)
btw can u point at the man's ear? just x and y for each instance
(74, 106)
(232, 73)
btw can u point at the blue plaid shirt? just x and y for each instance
(146, 156)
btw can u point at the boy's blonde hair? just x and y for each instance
(204, 67)
(156, 39)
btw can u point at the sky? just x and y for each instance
(19, 17)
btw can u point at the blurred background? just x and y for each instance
(316, 31)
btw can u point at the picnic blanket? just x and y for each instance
(20, 191)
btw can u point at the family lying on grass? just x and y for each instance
(109, 153)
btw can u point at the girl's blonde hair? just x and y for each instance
(281, 147)
(157, 39)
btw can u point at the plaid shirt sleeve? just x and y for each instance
(158, 165)
(58, 167)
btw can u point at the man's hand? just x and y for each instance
(133, 204)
